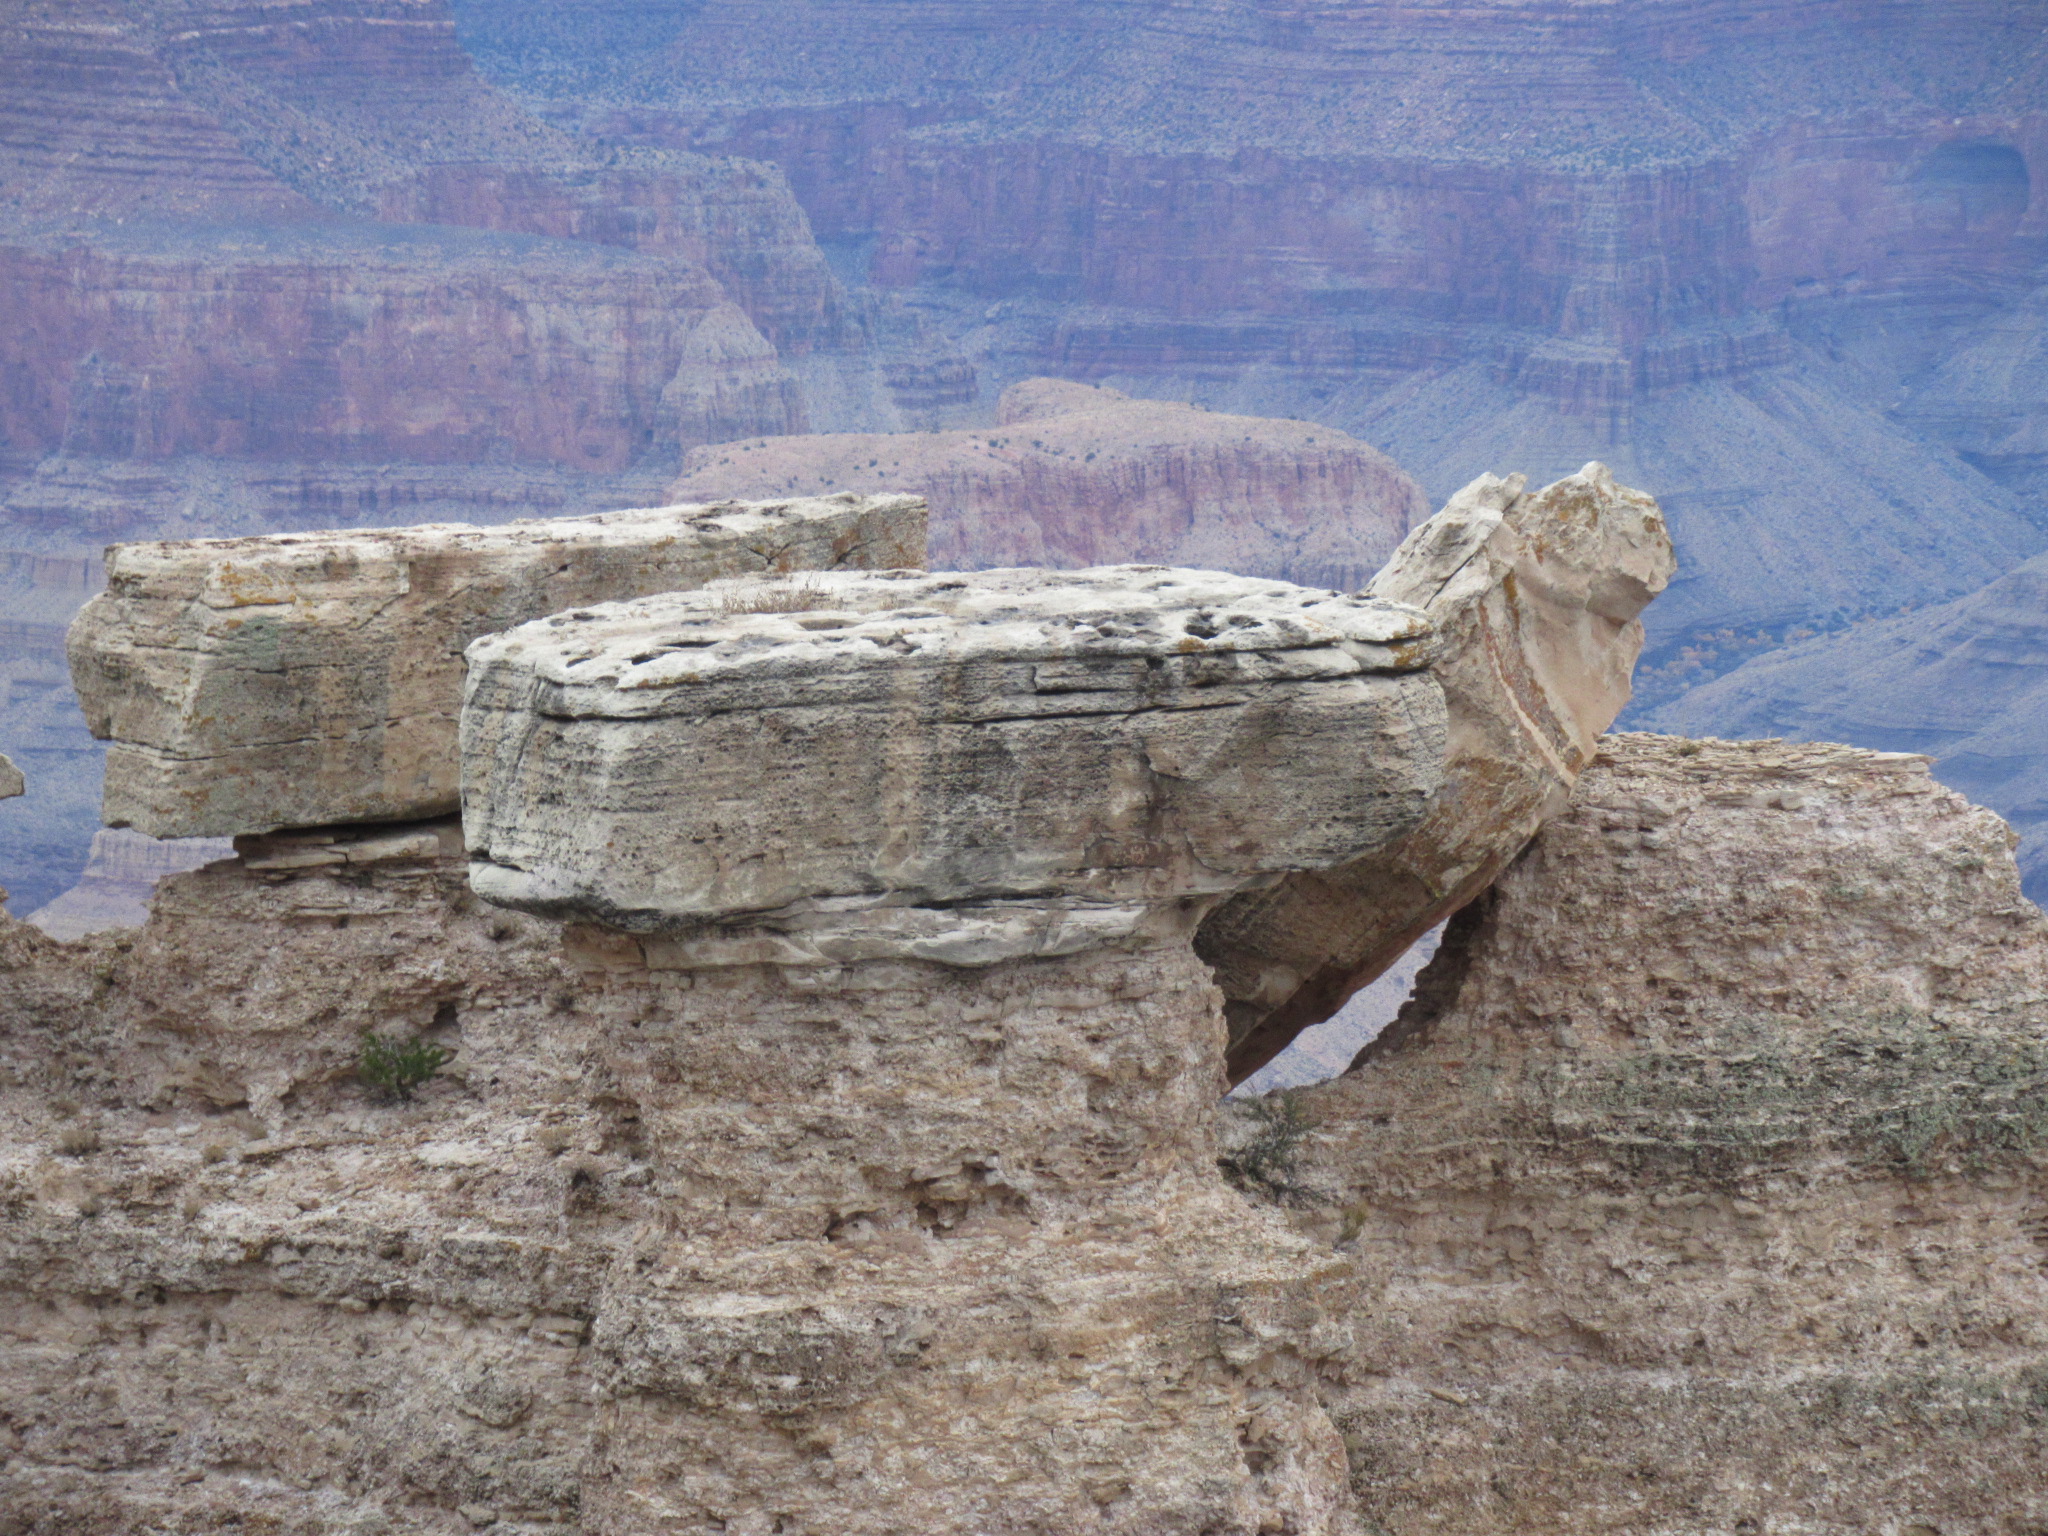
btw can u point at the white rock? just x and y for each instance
(303, 680)
(963, 768)
(1536, 599)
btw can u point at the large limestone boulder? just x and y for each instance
(308, 679)
(965, 768)
(1535, 600)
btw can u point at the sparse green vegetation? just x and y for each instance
(1265, 1162)
(398, 1067)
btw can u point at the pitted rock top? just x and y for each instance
(965, 768)
(835, 624)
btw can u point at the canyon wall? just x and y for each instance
(1698, 1185)
(1708, 244)
(1076, 476)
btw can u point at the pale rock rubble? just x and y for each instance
(968, 768)
(300, 680)
(1700, 1186)
(1536, 600)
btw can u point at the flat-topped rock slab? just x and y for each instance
(304, 680)
(955, 767)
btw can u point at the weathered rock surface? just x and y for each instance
(859, 1248)
(298, 680)
(959, 767)
(1537, 600)
(12, 784)
(1700, 1185)
(1965, 682)
(1074, 476)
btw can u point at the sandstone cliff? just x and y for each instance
(1698, 1187)
(1073, 476)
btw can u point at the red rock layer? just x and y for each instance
(1074, 476)
(345, 346)
(92, 122)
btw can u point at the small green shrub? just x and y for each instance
(1264, 1164)
(397, 1067)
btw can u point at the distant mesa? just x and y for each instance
(1073, 476)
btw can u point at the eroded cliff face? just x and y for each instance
(1708, 244)
(849, 1249)
(832, 1138)
(837, 1152)
(1076, 476)
(1698, 1187)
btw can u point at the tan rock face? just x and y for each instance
(1536, 599)
(1699, 1186)
(306, 679)
(862, 1248)
(969, 768)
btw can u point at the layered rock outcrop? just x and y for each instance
(1698, 1186)
(917, 1226)
(1538, 600)
(813, 1154)
(965, 768)
(301, 680)
(1077, 476)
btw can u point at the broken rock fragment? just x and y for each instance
(967, 768)
(1535, 599)
(304, 680)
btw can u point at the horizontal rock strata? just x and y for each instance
(306, 679)
(1699, 1185)
(1537, 600)
(961, 767)
(1073, 476)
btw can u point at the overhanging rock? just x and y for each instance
(1535, 599)
(304, 680)
(962, 768)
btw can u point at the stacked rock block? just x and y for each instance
(831, 1143)
(303, 680)
(894, 897)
